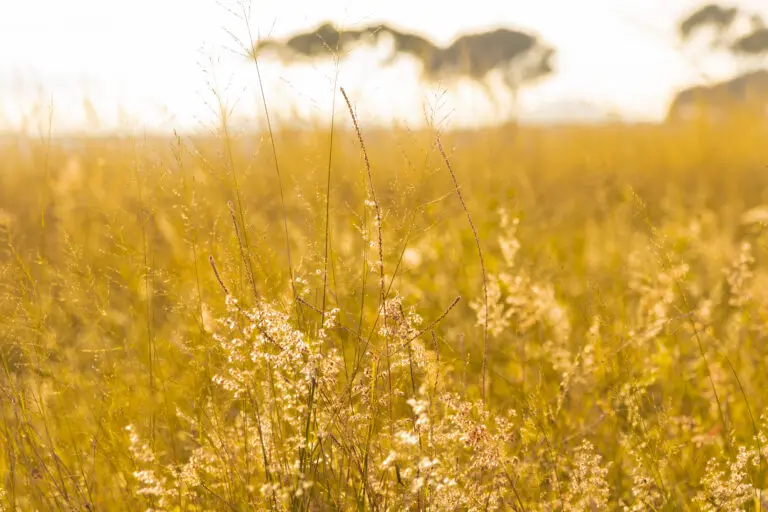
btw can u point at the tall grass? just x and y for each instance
(161, 350)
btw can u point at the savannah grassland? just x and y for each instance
(624, 351)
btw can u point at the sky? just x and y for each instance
(164, 64)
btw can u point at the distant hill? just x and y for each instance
(745, 91)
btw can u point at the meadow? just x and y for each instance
(514, 318)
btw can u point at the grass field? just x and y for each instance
(185, 326)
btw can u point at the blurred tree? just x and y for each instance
(724, 21)
(754, 43)
(324, 41)
(520, 58)
(749, 88)
(708, 16)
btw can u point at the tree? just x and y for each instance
(749, 88)
(710, 15)
(521, 58)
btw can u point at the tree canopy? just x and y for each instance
(521, 57)
(749, 88)
(722, 20)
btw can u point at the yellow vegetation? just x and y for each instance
(627, 293)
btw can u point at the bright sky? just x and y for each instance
(149, 63)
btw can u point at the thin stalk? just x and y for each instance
(482, 265)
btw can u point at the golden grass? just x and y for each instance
(626, 316)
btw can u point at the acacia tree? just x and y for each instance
(519, 58)
(741, 36)
(732, 31)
